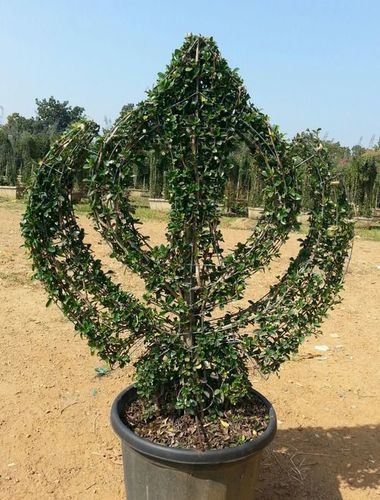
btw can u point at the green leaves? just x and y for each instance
(100, 310)
(187, 130)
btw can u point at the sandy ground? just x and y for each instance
(55, 437)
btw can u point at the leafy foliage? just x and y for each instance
(56, 116)
(362, 177)
(196, 355)
(25, 141)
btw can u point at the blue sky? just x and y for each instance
(306, 63)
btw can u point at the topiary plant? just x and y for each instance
(196, 355)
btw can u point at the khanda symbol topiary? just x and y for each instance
(196, 353)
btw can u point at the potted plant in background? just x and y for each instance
(192, 426)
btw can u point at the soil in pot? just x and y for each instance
(241, 423)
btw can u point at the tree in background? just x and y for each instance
(357, 150)
(238, 180)
(366, 167)
(20, 147)
(6, 158)
(25, 141)
(54, 117)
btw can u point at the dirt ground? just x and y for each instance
(55, 437)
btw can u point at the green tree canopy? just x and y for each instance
(54, 116)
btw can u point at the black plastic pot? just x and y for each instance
(155, 472)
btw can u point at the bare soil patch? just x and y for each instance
(55, 437)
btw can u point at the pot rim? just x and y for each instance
(185, 455)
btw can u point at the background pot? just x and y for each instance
(255, 212)
(159, 204)
(155, 472)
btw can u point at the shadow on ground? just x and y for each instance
(315, 463)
